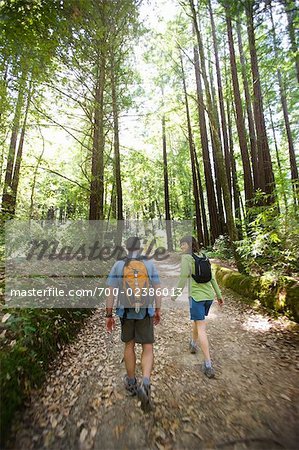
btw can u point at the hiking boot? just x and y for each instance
(208, 371)
(144, 395)
(130, 388)
(193, 347)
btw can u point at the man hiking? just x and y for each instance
(135, 281)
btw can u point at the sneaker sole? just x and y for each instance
(210, 376)
(130, 391)
(146, 405)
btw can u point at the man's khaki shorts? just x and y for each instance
(142, 330)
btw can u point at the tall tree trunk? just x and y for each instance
(221, 217)
(293, 165)
(7, 191)
(236, 189)
(219, 156)
(235, 184)
(211, 198)
(166, 188)
(252, 136)
(35, 177)
(248, 184)
(231, 226)
(117, 170)
(3, 93)
(267, 183)
(221, 100)
(192, 157)
(206, 240)
(96, 200)
(278, 157)
(219, 194)
(17, 166)
(111, 215)
(290, 9)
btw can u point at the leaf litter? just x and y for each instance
(82, 405)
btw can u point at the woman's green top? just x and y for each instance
(198, 291)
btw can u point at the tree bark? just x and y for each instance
(221, 217)
(292, 156)
(35, 177)
(219, 156)
(166, 188)
(117, 169)
(290, 8)
(192, 157)
(112, 211)
(96, 201)
(7, 199)
(267, 183)
(17, 166)
(221, 100)
(251, 126)
(211, 198)
(219, 194)
(278, 158)
(206, 240)
(248, 184)
(236, 189)
(3, 92)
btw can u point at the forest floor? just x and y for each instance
(251, 404)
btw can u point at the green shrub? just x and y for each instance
(221, 248)
(271, 243)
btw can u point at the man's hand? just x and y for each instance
(110, 324)
(220, 301)
(157, 317)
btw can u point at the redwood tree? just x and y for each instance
(266, 175)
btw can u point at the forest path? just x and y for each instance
(252, 403)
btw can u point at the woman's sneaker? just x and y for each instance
(144, 395)
(131, 388)
(193, 347)
(208, 371)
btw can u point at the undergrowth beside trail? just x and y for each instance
(30, 339)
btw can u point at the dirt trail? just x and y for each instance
(252, 403)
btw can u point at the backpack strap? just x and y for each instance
(127, 259)
(195, 257)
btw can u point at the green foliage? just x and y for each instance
(272, 243)
(30, 31)
(221, 249)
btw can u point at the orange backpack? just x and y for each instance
(136, 284)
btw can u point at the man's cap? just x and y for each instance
(133, 243)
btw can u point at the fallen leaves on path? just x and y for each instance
(83, 405)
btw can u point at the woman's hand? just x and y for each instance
(220, 301)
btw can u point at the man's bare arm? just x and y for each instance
(109, 301)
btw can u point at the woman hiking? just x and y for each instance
(201, 296)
